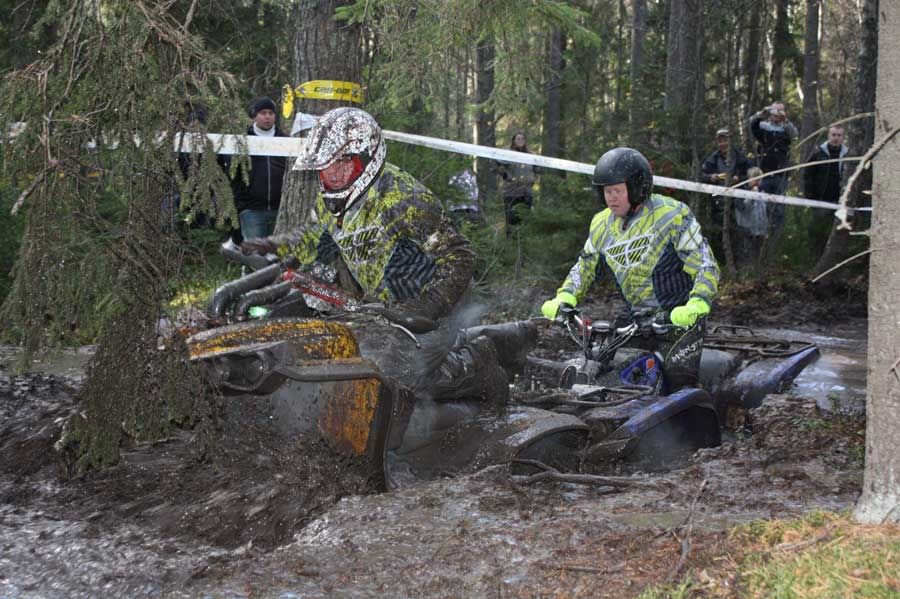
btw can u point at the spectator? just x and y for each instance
(774, 134)
(823, 182)
(464, 205)
(750, 218)
(726, 165)
(258, 198)
(518, 180)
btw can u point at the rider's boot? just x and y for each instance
(471, 372)
(513, 341)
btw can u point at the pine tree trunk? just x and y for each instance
(637, 114)
(781, 43)
(861, 131)
(323, 48)
(684, 76)
(810, 82)
(752, 59)
(485, 124)
(550, 145)
(880, 499)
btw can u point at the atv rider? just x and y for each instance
(388, 239)
(656, 252)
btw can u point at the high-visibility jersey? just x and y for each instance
(659, 260)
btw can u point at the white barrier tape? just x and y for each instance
(291, 147)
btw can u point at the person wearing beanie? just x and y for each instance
(257, 199)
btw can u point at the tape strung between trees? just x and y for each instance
(291, 147)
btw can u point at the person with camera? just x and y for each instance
(774, 134)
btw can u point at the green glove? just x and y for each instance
(550, 308)
(686, 315)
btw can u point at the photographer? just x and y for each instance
(774, 134)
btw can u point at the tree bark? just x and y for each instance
(861, 132)
(684, 75)
(556, 44)
(810, 83)
(880, 499)
(781, 44)
(752, 62)
(322, 49)
(485, 123)
(637, 116)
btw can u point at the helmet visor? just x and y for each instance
(341, 173)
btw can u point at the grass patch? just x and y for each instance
(822, 555)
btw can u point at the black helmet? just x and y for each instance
(628, 166)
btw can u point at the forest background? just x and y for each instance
(576, 77)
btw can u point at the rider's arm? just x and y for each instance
(428, 257)
(697, 256)
(584, 271)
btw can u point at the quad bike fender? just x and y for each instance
(626, 423)
(761, 378)
(303, 377)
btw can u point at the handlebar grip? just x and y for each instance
(251, 261)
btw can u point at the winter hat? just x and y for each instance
(261, 104)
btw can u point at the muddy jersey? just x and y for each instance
(396, 243)
(660, 260)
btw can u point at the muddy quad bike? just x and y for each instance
(321, 365)
(625, 384)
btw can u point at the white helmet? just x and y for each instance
(347, 149)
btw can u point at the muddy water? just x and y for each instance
(483, 535)
(837, 380)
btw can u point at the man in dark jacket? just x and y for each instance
(257, 198)
(726, 165)
(823, 181)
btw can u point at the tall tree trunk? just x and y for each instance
(753, 60)
(684, 74)
(637, 116)
(556, 43)
(781, 44)
(810, 82)
(861, 131)
(880, 499)
(485, 124)
(620, 57)
(322, 49)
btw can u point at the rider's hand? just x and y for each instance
(550, 308)
(259, 245)
(686, 315)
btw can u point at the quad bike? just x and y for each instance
(319, 363)
(623, 383)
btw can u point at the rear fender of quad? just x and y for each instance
(619, 430)
(303, 377)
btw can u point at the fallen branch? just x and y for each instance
(863, 165)
(841, 263)
(578, 568)
(688, 526)
(550, 473)
(803, 544)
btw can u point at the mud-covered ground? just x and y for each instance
(259, 518)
